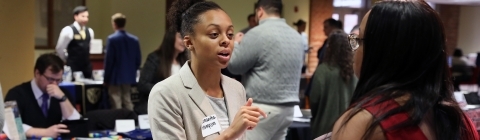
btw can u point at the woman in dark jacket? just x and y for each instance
(160, 64)
(333, 84)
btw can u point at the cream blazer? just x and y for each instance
(178, 105)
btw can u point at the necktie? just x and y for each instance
(45, 104)
(82, 33)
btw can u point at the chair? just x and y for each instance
(105, 119)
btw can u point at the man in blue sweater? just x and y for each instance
(270, 57)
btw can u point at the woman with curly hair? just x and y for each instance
(332, 85)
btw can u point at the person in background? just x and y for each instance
(328, 26)
(270, 58)
(404, 90)
(461, 69)
(252, 22)
(301, 26)
(122, 60)
(333, 84)
(199, 102)
(73, 45)
(42, 103)
(161, 64)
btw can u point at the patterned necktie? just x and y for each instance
(45, 104)
(82, 33)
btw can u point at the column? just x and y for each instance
(320, 10)
(450, 15)
(16, 42)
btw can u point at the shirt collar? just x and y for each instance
(77, 25)
(36, 90)
(120, 31)
(271, 19)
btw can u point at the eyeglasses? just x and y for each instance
(354, 41)
(51, 80)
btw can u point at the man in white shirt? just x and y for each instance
(41, 102)
(73, 44)
(301, 26)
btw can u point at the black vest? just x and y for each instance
(79, 48)
(30, 111)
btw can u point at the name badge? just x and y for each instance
(210, 125)
(77, 37)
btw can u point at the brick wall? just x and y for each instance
(320, 10)
(450, 15)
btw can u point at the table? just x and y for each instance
(92, 96)
(299, 131)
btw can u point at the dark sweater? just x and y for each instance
(30, 111)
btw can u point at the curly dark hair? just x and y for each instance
(183, 14)
(340, 54)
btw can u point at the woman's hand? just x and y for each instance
(246, 119)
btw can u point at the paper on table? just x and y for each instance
(297, 112)
(13, 121)
(460, 98)
(96, 46)
(126, 125)
(143, 122)
(6, 128)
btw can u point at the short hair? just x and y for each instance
(300, 22)
(79, 9)
(458, 53)
(250, 16)
(270, 6)
(119, 19)
(334, 23)
(49, 60)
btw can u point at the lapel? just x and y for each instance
(231, 98)
(196, 93)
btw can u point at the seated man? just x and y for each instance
(41, 102)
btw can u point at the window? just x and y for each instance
(431, 5)
(350, 21)
(335, 16)
(348, 3)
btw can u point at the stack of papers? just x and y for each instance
(298, 115)
(301, 119)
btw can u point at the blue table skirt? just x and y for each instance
(70, 87)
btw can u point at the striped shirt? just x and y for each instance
(218, 105)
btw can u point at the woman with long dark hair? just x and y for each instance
(404, 89)
(333, 84)
(160, 64)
